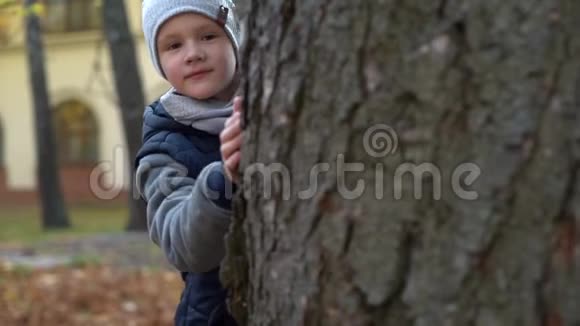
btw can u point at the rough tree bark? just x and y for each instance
(491, 82)
(129, 93)
(54, 214)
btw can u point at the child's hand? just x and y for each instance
(231, 141)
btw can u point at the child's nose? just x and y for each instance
(194, 53)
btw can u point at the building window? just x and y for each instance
(76, 133)
(72, 15)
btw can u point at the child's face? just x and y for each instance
(197, 56)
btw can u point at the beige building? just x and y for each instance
(92, 151)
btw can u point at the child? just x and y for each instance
(180, 167)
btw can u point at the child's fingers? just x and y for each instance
(231, 131)
(233, 162)
(228, 148)
(231, 119)
(238, 101)
(231, 166)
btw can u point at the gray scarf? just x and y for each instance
(209, 115)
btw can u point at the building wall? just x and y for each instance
(72, 62)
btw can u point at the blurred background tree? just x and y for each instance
(53, 210)
(129, 94)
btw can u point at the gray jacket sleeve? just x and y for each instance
(182, 218)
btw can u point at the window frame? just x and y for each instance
(65, 136)
(90, 20)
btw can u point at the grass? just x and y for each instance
(23, 225)
(80, 261)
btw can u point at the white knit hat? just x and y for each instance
(157, 12)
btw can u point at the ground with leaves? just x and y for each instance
(90, 295)
(111, 280)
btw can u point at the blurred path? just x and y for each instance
(132, 249)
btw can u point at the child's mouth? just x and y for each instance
(198, 74)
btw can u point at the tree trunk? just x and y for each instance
(486, 92)
(54, 214)
(129, 92)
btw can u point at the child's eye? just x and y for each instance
(173, 46)
(209, 37)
